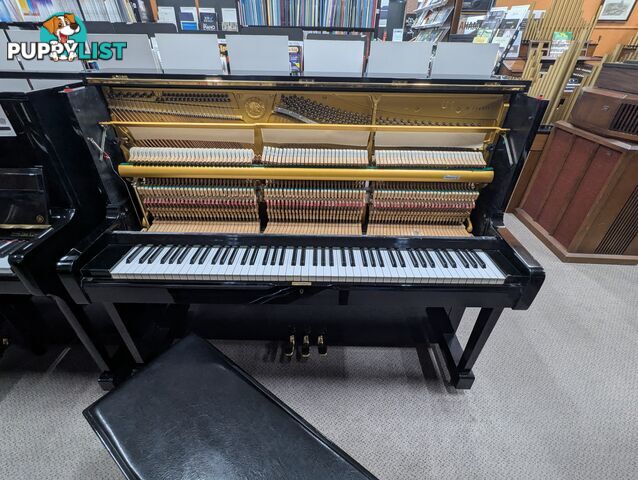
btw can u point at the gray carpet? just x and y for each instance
(556, 395)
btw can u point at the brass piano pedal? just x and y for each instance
(322, 346)
(305, 346)
(289, 348)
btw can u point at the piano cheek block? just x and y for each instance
(211, 420)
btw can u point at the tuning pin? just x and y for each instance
(305, 346)
(321, 345)
(289, 348)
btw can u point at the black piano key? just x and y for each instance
(176, 254)
(204, 255)
(468, 258)
(429, 258)
(331, 257)
(216, 256)
(392, 260)
(379, 258)
(282, 256)
(253, 257)
(478, 258)
(343, 257)
(274, 255)
(302, 259)
(351, 254)
(233, 256)
(294, 256)
(168, 254)
(364, 260)
(462, 258)
(400, 258)
(323, 256)
(244, 257)
(314, 256)
(225, 255)
(197, 254)
(155, 254)
(147, 254)
(449, 258)
(441, 259)
(265, 259)
(134, 254)
(182, 255)
(415, 262)
(421, 258)
(373, 262)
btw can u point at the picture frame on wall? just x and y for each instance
(616, 10)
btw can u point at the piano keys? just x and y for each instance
(347, 265)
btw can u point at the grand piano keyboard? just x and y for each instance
(351, 265)
(7, 247)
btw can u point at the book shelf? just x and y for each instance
(436, 19)
(324, 15)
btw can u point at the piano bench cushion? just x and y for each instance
(193, 414)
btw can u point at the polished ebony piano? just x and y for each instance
(50, 196)
(312, 211)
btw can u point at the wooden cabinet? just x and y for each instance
(582, 200)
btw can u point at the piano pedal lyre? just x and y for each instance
(289, 347)
(305, 346)
(322, 346)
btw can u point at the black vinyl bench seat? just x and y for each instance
(193, 414)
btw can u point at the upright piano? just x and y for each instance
(49, 197)
(310, 210)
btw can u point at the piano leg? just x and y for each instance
(459, 361)
(483, 327)
(80, 325)
(115, 317)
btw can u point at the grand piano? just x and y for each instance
(50, 195)
(311, 211)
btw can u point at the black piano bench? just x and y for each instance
(193, 414)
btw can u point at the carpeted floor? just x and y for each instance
(556, 395)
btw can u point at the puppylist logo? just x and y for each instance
(63, 36)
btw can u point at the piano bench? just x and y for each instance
(193, 413)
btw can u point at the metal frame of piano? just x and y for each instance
(508, 130)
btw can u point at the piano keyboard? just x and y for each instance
(7, 247)
(349, 265)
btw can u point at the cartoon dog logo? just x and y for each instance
(63, 27)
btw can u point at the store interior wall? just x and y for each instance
(607, 34)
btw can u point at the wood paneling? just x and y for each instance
(583, 198)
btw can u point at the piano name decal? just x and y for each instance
(63, 36)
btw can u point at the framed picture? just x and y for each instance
(617, 10)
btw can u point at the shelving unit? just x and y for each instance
(436, 19)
